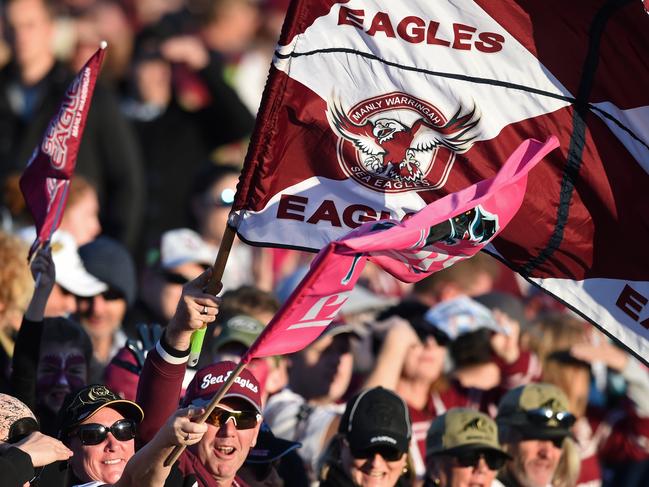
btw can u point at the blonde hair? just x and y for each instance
(79, 186)
(569, 466)
(16, 284)
(556, 331)
(564, 375)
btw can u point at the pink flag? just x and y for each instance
(46, 179)
(450, 229)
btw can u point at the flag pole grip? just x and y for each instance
(213, 287)
(178, 450)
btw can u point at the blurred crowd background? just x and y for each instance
(155, 181)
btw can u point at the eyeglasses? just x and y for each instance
(389, 454)
(243, 420)
(223, 200)
(94, 433)
(493, 459)
(425, 330)
(542, 416)
(113, 295)
(174, 278)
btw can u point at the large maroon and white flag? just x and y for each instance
(46, 179)
(450, 229)
(375, 108)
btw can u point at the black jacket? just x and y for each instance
(109, 155)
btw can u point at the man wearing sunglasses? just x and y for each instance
(462, 449)
(535, 427)
(99, 427)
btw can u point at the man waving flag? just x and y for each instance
(376, 108)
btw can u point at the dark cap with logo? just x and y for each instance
(376, 418)
(209, 380)
(462, 429)
(537, 411)
(87, 402)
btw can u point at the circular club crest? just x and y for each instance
(397, 142)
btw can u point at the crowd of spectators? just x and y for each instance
(468, 377)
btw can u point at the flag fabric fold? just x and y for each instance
(46, 179)
(450, 229)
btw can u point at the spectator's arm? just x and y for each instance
(16, 468)
(398, 341)
(623, 435)
(28, 342)
(637, 379)
(162, 375)
(146, 468)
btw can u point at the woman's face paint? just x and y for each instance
(62, 369)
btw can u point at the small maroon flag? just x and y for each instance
(46, 179)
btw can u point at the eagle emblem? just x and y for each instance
(391, 149)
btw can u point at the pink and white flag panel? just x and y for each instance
(375, 108)
(450, 229)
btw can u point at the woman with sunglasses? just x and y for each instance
(371, 447)
(463, 450)
(99, 427)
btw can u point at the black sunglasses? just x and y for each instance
(424, 330)
(21, 429)
(243, 420)
(542, 416)
(388, 453)
(493, 459)
(95, 433)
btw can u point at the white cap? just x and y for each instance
(183, 245)
(461, 315)
(70, 272)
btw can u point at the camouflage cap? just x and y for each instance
(241, 329)
(460, 429)
(538, 411)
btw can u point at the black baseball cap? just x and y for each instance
(85, 403)
(376, 418)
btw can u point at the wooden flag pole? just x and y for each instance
(213, 287)
(178, 450)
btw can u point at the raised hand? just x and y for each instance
(195, 309)
(44, 273)
(181, 430)
(505, 344)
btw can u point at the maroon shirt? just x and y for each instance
(158, 394)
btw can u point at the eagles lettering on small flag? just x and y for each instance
(46, 179)
(450, 229)
(374, 109)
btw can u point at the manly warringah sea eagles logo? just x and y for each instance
(397, 142)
